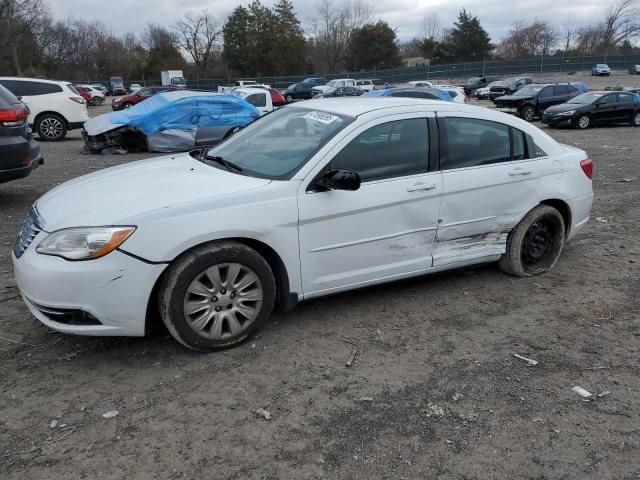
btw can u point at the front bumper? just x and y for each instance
(557, 120)
(114, 290)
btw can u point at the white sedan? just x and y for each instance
(316, 198)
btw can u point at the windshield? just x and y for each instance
(529, 90)
(278, 148)
(178, 80)
(586, 98)
(333, 83)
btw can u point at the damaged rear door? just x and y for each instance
(489, 183)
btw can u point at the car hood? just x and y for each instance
(323, 88)
(122, 195)
(564, 107)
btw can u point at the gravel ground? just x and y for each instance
(434, 391)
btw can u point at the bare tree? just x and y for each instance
(18, 18)
(334, 28)
(621, 23)
(569, 33)
(199, 36)
(528, 40)
(430, 27)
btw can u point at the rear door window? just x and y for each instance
(625, 98)
(34, 89)
(257, 100)
(473, 142)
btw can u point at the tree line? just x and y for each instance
(260, 40)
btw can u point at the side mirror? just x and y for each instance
(339, 180)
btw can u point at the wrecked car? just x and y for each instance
(175, 121)
(322, 197)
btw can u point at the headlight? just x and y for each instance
(85, 243)
(570, 112)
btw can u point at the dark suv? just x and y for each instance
(19, 152)
(531, 101)
(299, 91)
(508, 86)
(475, 83)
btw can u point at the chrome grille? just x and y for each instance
(30, 230)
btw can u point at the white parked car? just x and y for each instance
(55, 107)
(257, 96)
(482, 93)
(320, 197)
(367, 85)
(135, 87)
(339, 82)
(97, 95)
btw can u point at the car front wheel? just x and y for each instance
(583, 122)
(51, 127)
(217, 295)
(635, 120)
(535, 244)
(528, 113)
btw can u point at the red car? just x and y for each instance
(277, 98)
(128, 101)
(84, 93)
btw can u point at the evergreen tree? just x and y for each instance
(468, 40)
(373, 46)
(290, 44)
(236, 41)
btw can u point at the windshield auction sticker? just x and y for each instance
(321, 117)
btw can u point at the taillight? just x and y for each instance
(13, 116)
(587, 167)
(25, 160)
(77, 99)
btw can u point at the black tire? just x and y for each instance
(51, 127)
(190, 267)
(635, 119)
(535, 244)
(582, 122)
(289, 98)
(527, 113)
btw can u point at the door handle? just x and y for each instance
(519, 171)
(421, 186)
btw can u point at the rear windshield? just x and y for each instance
(7, 98)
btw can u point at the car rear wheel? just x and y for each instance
(216, 296)
(635, 120)
(583, 122)
(527, 113)
(51, 127)
(289, 98)
(535, 244)
(126, 105)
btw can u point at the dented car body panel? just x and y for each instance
(427, 217)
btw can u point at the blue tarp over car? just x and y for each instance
(171, 121)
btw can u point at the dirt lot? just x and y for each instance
(434, 391)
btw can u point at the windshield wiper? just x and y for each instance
(225, 163)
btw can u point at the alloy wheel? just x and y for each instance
(636, 120)
(584, 121)
(223, 301)
(51, 127)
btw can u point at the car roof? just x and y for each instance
(41, 80)
(356, 106)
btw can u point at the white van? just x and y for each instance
(56, 107)
(339, 82)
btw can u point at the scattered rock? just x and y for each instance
(364, 399)
(433, 410)
(582, 392)
(457, 396)
(626, 180)
(111, 414)
(263, 413)
(601, 220)
(604, 394)
(53, 424)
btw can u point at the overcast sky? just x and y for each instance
(496, 16)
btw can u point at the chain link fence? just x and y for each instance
(455, 72)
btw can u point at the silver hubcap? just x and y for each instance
(223, 301)
(51, 127)
(636, 119)
(583, 122)
(127, 105)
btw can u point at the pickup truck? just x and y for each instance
(256, 96)
(369, 84)
(338, 82)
